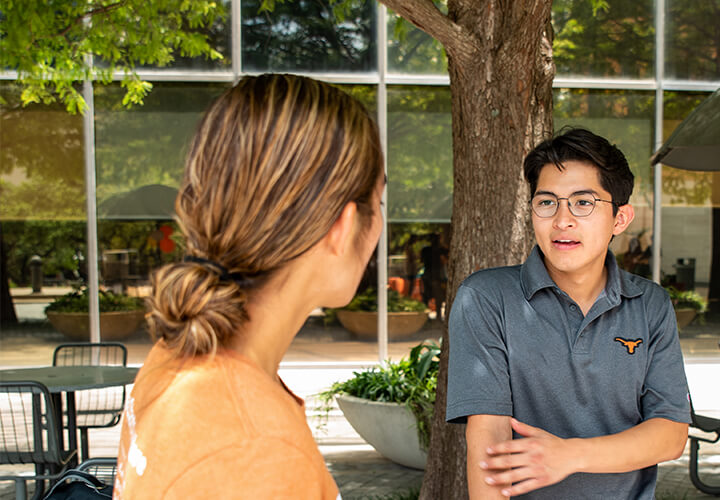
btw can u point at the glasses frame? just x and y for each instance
(557, 206)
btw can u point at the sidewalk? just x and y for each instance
(320, 356)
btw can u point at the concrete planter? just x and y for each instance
(390, 428)
(116, 325)
(684, 316)
(364, 323)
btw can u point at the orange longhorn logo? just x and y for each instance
(630, 344)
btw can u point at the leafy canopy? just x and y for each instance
(53, 44)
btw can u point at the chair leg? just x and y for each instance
(694, 476)
(84, 444)
(20, 489)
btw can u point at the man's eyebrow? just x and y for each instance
(582, 191)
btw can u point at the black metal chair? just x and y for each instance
(30, 426)
(95, 408)
(103, 468)
(708, 425)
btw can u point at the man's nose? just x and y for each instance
(564, 217)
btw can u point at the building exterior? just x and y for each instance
(631, 71)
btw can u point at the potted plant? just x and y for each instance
(120, 314)
(405, 315)
(687, 305)
(391, 405)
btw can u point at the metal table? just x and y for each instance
(68, 379)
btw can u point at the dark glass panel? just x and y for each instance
(411, 50)
(306, 36)
(419, 154)
(692, 39)
(616, 41)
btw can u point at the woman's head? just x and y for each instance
(273, 163)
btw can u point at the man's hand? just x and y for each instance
(523, 465)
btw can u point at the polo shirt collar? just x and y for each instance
(534, 277)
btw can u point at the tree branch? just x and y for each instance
(92, 12)
(427, 17)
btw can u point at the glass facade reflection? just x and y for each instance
(612, 40)
(611, 77)
(304, 36)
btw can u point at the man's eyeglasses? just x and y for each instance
(580, 204)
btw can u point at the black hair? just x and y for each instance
(579, 144)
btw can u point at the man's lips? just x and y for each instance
(565, 243)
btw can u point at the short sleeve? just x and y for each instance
(263, 468)
(665, 392)
(478, 373)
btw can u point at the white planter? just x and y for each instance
(389, 427)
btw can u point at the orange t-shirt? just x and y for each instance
(216, 428)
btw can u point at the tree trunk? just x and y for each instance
(501, 72)
(7, 310)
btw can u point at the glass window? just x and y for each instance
(692, 38)
(42, 173)
(419, 154)
(306, 36)
(625, 118)
(617, 40)
(411, 50)
(42, 217)
(140, 153)
(690, 212)
(417, 276)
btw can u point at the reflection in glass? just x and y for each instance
(617, 40)
(306, 36)
(417, 269)
(690, 213)
(625, 118)
(41, 160)
(411, 50)
(140, 153)
(419, 154)
(692, 35)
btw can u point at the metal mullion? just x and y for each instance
(91, 207)
(382, 253)
(236, 37)
(604, 83)
(657, 169)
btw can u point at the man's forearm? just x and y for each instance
(540, 459)
(648, 443)
(483, 431)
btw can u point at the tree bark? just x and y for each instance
(7, 309)
(501, 72)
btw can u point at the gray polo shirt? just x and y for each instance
(520, 346)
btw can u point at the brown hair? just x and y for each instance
(273, 163)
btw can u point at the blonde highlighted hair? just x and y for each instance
(273, 163)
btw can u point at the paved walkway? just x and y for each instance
(320, 356)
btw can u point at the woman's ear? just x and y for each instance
(341, 232)
(625, 215)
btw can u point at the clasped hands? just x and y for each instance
(522, 465)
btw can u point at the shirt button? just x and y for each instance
(572, 307)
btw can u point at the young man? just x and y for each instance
(575, 359)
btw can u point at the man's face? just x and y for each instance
(575, 247)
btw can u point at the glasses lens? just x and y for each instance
(544, 205)
(582, 205)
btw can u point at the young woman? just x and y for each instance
(280, 208)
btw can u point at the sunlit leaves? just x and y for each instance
(54, 44)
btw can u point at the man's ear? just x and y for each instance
(341, 231)
(625, 215)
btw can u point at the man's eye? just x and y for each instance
(546, 203)
(584, 203)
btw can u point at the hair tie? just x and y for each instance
(239, 278)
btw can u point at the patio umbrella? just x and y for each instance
(154, 201)
(695, 143)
